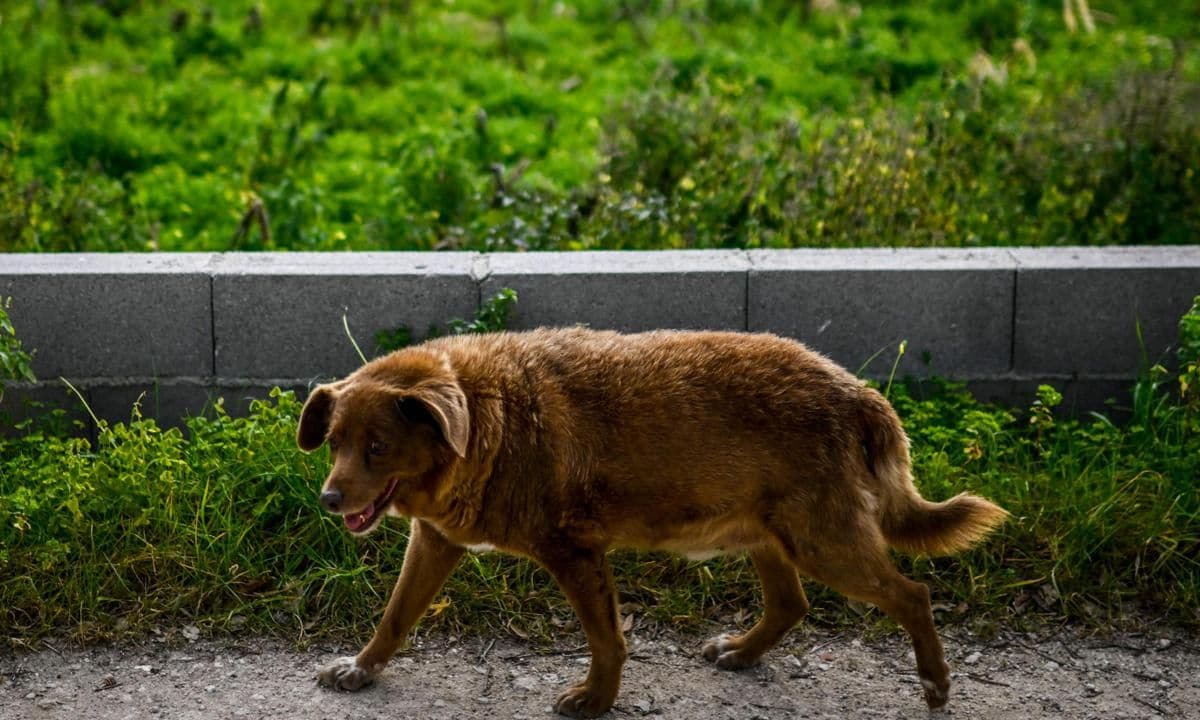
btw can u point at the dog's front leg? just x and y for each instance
(427, 563)
(586, 580)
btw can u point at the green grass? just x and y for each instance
(529, 124)
(149, 528)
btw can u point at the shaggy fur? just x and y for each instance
(559, 445)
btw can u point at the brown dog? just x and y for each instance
(561, 444)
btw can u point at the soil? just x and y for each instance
(813, 675)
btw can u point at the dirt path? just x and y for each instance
(813, 676)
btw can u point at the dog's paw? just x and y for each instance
(936, 693)
(581, 702)
(727, 653)
(345, 674)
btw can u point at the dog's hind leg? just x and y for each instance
(863, 571)
(784, 605)
(586, 579)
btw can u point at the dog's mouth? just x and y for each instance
(364, 521)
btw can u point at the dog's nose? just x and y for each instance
(332, 500)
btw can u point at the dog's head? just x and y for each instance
(391, 432)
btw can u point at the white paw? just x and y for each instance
(717, 647)
(345, 674)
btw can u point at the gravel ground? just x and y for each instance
(1068, 675)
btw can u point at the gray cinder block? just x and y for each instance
(96, 315)
(169, 402)
(954, 307)
(630, 291)
(1109, 396)
(280, 315)
(1078, 309)
(37, 402)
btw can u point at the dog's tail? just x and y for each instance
(910, 522)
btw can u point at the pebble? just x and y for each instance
(526, 682)
(973, 658)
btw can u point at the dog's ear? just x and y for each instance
(446, 405)
(314, 419)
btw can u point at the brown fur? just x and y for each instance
(561, 444)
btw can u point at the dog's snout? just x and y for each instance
(331, 500)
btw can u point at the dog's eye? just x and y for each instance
(376, 448)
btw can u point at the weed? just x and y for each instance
(14, 361)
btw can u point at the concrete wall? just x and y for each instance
(186, 328)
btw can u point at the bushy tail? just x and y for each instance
(911, 523)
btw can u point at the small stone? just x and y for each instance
(1164, 643)
(47, 703)
(1051, 665)
(526, 682)
(439, 703)
(973, 658)
(209, 688)
(644, 705)
(191, 632)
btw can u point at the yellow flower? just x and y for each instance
(687, 184)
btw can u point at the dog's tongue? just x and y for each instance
(358, 521)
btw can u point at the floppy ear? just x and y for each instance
(447, 406)
(314, 419)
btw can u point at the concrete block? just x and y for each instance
(630, 291)
(1078, 309)
(1110, 396)
(167, 402)
(239, 396)
(280, 315)
(96, 315)
(37, 402)
(954, 307)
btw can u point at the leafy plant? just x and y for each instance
(491, 317)
(14, 361)
(1189, 357)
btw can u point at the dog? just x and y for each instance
(560, 444)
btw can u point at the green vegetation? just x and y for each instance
(525, 124)
(14, 361)
(148, 528)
